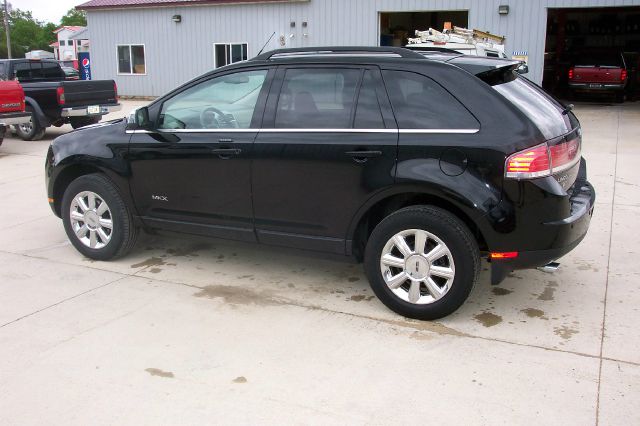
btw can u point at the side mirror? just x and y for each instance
(138, 119)
(522, 68)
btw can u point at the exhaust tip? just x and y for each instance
(549, 268)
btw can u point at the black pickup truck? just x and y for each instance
(52, 101)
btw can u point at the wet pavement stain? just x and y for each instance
(238, 295)
(499, 291)
(360, 298)
(549, 290)
(240, 379)
(155, 270)
(564, 332)
(160, 373)
(488, 319)
(533, 312)
(189, 251)
(152, 261)
(353, 279)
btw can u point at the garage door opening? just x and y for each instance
(397, 27)
(574, 33)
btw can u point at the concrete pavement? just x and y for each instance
(188, 330)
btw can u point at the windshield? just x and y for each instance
(541, 108)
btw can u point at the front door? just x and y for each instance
(194, 173)
(328, 143)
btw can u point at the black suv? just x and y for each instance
(416, 164)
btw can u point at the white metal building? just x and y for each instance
(151, 46)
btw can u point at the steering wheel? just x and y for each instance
(213, 118)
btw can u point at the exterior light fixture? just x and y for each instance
(503, 9)
(176, 18)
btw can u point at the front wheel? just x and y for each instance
(97, 221)
(422, 262)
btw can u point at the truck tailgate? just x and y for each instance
(84, 93)
(587, 74)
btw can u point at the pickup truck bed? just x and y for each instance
(53, 101)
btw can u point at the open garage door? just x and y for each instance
(396, 27)
(576, 33)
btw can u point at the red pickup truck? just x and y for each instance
(11, 106)
(599, 73)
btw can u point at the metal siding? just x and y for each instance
(176, 53)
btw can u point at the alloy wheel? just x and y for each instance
(91, 219)
(417, 266)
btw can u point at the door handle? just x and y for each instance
(363, 156)
(226, 152)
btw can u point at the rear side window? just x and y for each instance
(317, 98)
(420, 103)
(537, 105)
(22, 70)
(368, 113)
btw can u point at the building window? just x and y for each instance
(131, 59)
(61, 42)
(229, 53)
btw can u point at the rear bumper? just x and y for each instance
(566, 233)
(597, 87)
(11, 118)
(83, 111)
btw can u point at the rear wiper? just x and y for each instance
(567, 109)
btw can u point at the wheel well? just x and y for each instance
(385, 207)
(63, 180)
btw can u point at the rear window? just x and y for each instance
(599, 60)
(535, 103)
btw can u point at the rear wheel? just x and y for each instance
(422, 262)
(97, 221)
(31, 131)
(77, 122)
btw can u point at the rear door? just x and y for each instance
(328, 143)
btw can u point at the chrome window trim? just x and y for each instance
(402, 131)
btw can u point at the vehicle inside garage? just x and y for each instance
(396, 27)
(574, 34)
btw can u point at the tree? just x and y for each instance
(74, 17)
(27, 34)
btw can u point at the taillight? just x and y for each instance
(623, 75)
(571, 71)
(530, 163)
(543, 160)
(60, 95)
(115, 90)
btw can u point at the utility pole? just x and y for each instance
(6, 28)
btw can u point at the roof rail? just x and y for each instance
(345, 50)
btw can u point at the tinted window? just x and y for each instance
(420, 103)
(368, 114)
(225, 102)
(51, 70)
(599, 60)
(22, 70)
(541, 108)
(317, 98)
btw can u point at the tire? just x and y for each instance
(78, 122)
(30, 132)
(460, 260)
(123, 233)
(3, 132)
(619, 98)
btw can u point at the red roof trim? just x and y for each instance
(127, 4)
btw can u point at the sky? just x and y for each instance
(46, 10)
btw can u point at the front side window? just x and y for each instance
(225, 102)
(420, 103)
(229, 53)
(317, 98)
(131, 59)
